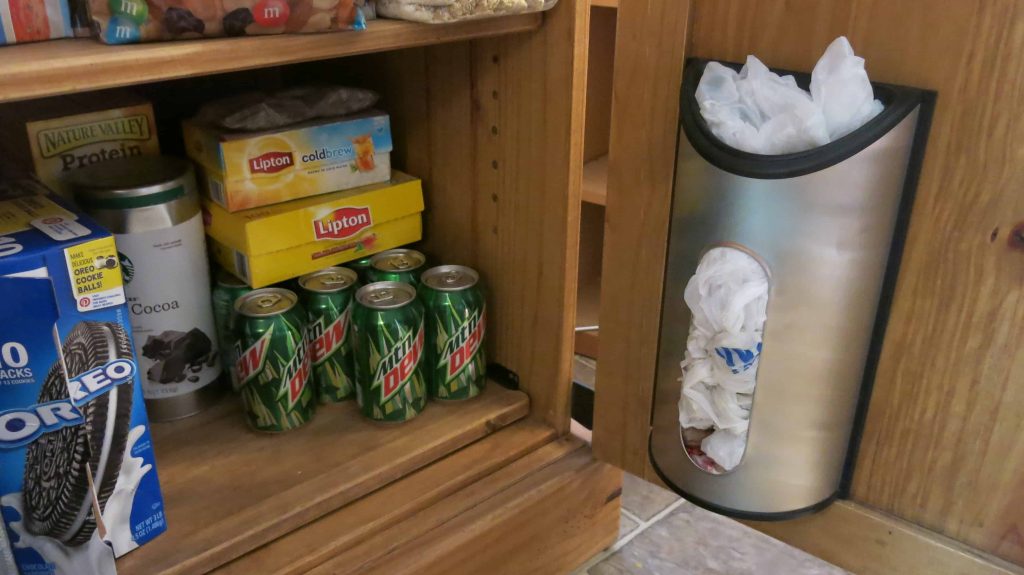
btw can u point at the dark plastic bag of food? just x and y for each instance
(259, 111)
(131, 21)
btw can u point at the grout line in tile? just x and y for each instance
(661, 514)
(631, 517)
(582, 570)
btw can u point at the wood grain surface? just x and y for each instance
(345, 532)
(942, 447)
(528, 95)
(66, 66)
(588, 287)
(595, 181)
(868, 542)
(229, 490)
(494, 128)
(600, 63)
(548, 521)
(645, 102)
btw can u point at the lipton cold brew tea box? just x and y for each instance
(243, 170)
(279, 242)
(59, 135)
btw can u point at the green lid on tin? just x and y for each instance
(132, 182)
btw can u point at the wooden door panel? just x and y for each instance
(941, 447)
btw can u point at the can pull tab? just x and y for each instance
(335, 281)
(451, 278)
(402, 263)
(268, 301)
(382, 296)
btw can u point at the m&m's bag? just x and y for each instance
(130, 21)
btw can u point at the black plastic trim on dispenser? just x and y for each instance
(898, 102)
(725, 195)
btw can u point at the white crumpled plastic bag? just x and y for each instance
(758, 111)
(728, 299)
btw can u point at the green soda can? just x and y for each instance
(400, 265)
(388, 337)
(327, 296)
(362, 268)
(226, 289)
(273, 367)
(456, 325)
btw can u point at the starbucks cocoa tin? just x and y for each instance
(151, 205)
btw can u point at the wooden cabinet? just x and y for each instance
(938, 481)
(489, 114)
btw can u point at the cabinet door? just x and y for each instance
(946, 404)
(649, 52)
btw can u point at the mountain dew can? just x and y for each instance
(362, 269)
(388, 337)
(456, 325)
(399, 265)
(273, 367)
(226, 290)
(327, 296)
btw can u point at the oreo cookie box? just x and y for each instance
(78, 482)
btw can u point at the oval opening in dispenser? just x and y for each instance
(727, 297)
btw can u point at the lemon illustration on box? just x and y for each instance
(273, 243)
(244, 170)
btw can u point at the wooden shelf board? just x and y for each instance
(344, 532)
(545, 513)
(544, 509)
(65, 66)
(595, 181)
(587, 343)
(229, 490)
(605, 3)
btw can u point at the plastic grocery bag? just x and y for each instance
(841, 88)
(728, 299)
(758, 111)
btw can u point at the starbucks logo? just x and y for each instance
(127, 267)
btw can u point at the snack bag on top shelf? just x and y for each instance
(440, 11)
(130, 21)
(33, 20)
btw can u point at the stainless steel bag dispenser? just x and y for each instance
(822, 225)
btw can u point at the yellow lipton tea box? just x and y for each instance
(279, 242)
(60, 135)
(243, 170)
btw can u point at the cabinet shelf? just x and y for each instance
(66, 66)
(229, 490)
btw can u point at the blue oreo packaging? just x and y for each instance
(78, 481)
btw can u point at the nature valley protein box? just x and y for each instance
(67, 133)
(78, 480)
(243, 170)
(283, 241)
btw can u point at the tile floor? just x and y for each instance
(661, 534)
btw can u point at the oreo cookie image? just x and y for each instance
(58, 502)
